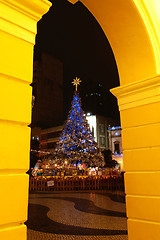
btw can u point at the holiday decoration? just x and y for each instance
(77, 146)
(76, 82)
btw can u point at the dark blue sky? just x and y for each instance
(71, 34)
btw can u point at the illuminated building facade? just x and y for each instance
(99, 126)
(49, 137)
(115, 144)
(115, 140)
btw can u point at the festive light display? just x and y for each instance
(76, 145)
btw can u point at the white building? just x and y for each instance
(99, 126)
(107, 137)
(115, 141)
(115, 144)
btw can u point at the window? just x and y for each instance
(102, 129)
(102, 140)
(116, 148)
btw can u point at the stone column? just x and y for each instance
(18, 24)
(139, 105)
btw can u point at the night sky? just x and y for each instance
(71, 34)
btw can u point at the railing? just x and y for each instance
(77, 183)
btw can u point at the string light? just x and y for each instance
(76, 147)
(77, 144)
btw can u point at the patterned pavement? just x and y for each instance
(77, 215)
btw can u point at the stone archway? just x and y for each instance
(132, 30)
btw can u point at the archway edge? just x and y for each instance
(132, 34)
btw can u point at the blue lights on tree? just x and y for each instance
(77, 144)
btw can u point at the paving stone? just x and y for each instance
(77, 215)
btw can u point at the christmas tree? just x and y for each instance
(77, 144)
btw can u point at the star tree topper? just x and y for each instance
(76, 82)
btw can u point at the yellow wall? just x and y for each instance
(139, 105)
(132, 27)
(18, 24)
(133, 30)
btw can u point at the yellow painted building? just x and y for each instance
(18, 26)
(133, 30)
